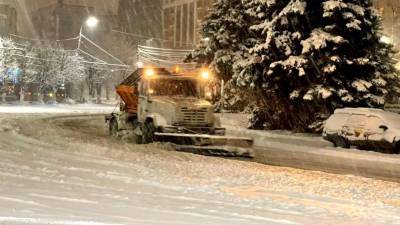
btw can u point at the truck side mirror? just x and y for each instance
(383, 127)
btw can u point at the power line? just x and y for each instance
(103, 50)
(35, 39)
(143, 37)
(166, 49)
(81, 61)
(88, 54)
(75, 38)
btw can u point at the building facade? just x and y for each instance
(182, 20)
(8, 17)
(141, 20)
(61, 19)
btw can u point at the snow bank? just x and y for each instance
(236, 125)
(59, 108)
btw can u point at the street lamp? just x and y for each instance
(90, 22)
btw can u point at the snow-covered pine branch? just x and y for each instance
(302, 58)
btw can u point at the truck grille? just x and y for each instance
(194, 117)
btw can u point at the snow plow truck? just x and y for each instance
(162, 106)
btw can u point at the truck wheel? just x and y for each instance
(137, 139)
(341, 142)
(113, 128)
(148, 132)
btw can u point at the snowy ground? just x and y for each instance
(236, 124)
(310, 151)
(55, 108)
(57, 169)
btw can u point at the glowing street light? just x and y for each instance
(149, 72)
(205, 75)
(91, 22)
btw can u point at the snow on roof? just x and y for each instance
(389, 117)
(358, 110)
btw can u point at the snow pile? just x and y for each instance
(84, 177)
(57, 109)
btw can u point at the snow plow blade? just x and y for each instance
(210, 145)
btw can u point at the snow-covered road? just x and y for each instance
(57, 169)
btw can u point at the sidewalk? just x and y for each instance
(311, 152)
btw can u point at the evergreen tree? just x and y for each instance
(317, 56)
(226, 41)
(226, 37)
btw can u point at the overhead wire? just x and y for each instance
(76, 38)
(144, 37)
(100, 48)
(165, 49)
(36, 39)
(86, 62)
(90, 55)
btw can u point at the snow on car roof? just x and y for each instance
(389, 117)
(359, 110)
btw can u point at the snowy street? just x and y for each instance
(104, 102)
(64, 169)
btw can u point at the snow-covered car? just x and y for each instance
(366, 128)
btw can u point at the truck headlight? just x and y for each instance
(149, 72)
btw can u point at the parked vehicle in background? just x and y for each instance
(366, 128)
(31, 92)
(48, 95)
(61, 94)
(10, 91)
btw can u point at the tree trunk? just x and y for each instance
(108, 89)
(98, 92)
(21, 96)
(81, 92)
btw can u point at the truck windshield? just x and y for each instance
(174, 87)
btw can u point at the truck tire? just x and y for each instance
(113, 128)
(148, 131)
(137, 139)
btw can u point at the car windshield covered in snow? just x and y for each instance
(174, 87)
(392, 119)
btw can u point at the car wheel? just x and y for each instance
(113, 128)
(341, 142)
(396, 149)
(148, 131)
